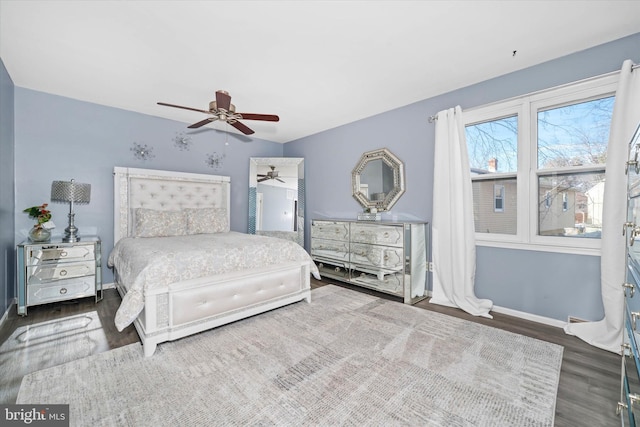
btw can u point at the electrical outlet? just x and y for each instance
(430, 266)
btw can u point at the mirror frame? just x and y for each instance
(254, 162)
(398, 190)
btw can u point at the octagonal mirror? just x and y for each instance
(378, 180)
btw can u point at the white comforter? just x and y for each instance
(148, 263)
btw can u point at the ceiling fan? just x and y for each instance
(272, 174)
(222, 109)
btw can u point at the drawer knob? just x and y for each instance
(63, 254)
(63, 272)
(386, 234)
(630, 287)
(634, 319)
(63, 291)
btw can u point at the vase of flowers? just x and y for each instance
(41, 231)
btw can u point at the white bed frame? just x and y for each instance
(185, 308)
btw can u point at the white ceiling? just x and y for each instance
(316, 64)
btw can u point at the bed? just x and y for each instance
(179, 268)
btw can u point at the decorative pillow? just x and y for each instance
(153, 223)
(207, 220)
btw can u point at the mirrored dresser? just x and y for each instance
(629, 404)
(389, 257)
(58, 271)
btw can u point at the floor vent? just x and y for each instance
(576, 320)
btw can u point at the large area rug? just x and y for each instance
(347, 358)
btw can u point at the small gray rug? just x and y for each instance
(345, 359)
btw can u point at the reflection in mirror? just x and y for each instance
(378, 180)
(276, 197)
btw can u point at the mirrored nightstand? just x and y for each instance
(58, 271)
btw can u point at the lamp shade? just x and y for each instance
(70, 191)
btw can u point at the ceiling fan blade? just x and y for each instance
(223, 100)
(184, 108)
(260, 174)
(242, 128)
(264, 117)
(262, 179)
(202, 122)
(278, 179)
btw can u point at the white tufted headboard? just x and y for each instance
(163, 190)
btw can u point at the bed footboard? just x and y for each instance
(193, 306)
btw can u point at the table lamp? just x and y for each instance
(70, 192)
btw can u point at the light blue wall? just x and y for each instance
(546, 284)
(58, 138)
(7, 200)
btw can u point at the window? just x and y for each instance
(541, 159)
(498, 198)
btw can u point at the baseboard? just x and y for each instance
(108, 285)
(528, 316)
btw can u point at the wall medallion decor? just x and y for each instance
(142, 151)
(215, 160)
(182, 141)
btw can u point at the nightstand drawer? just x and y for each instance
(61, 253)
(61, 271)
(61, 290)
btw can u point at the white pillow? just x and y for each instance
(154, 223)
(207, 220)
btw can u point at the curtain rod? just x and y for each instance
(432, 119)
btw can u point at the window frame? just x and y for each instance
(526, 108)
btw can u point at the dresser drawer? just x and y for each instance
(333, 230)
(60, 271)
(377, 256)
(389, 283)
(61, 290)
(332, 268)
(332, 249)
(45, 254)
(377, 234)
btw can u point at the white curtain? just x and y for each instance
(453, 233)
(607, 333)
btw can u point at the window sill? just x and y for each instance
(540, 247)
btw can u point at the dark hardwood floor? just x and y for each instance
(587, 394)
